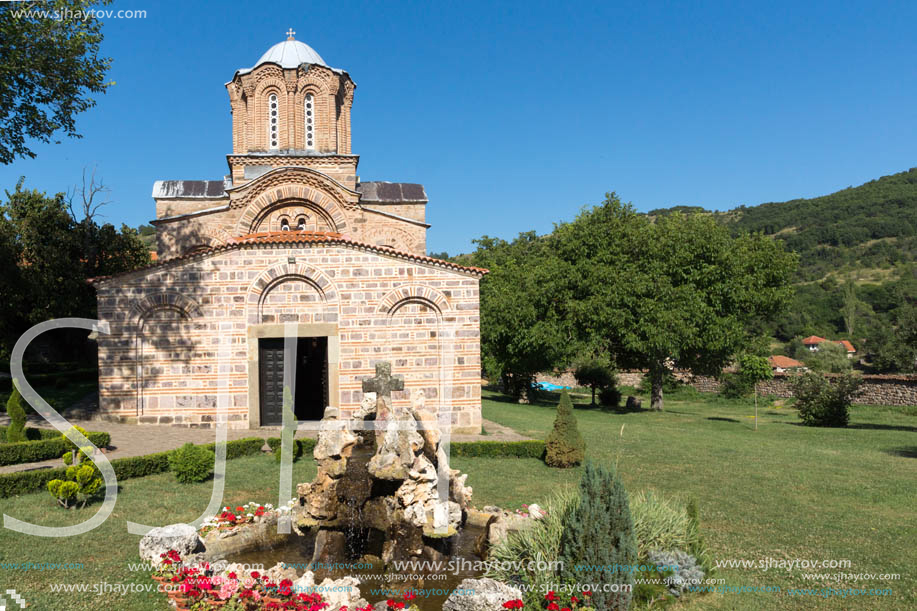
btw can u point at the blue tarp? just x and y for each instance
(549, 386)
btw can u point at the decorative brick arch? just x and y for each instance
(169, 300)
(400, 296)
(300, 185)
(271, 277)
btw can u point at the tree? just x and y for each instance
(47, 256)
(893, 347)
(829, 358)
(564, 446)
(679, 292)
(754, 369)
(598, 539)
(822, 402)
(50, 69)
(523, 330)
(594, 372)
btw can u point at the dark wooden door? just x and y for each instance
(270, 375)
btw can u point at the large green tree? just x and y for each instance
(676, 292)
(47, 256)
(49, 69)
(523, 329)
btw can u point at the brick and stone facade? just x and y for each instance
(289, 243)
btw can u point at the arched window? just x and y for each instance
(301, 223)
(274, 116)
(284, 225)
(310, 121)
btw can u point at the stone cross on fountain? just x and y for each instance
(383, 384)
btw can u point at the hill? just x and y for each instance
(857, 255)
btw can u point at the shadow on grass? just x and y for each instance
(882, 427)
(903, 452)
(718, 419)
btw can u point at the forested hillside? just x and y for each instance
(857, 274)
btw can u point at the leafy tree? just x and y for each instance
(47, 256)
(822, 402)
(14, 409)
(893, 348)
(598, 535)
(754, 369)
(564, 446)
(830, 357)
(594, 372)
(522, 319)
(50, 69)
(676, 293)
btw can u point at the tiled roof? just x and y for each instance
(813, 339)
(272, 238)
(784, 362)
(847, 345)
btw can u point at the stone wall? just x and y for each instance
(159, 364)
(876, 389)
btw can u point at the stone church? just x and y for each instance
(289, 242)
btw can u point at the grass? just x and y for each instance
(783, 492)
(107, 551)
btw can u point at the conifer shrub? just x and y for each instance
(15, 410)
(191, 463)
(599, 532)
(564, 447)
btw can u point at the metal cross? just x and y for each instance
(290, 33)
(384, 382)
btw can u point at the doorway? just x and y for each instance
(309, 378)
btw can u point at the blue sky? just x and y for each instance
(514, 115)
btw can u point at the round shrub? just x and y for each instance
(564, 447)
(191, 463)
(610, 397)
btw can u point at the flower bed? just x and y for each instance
(232, 518)
(555, 602)
(200, 588)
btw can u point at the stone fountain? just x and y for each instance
(384, 488)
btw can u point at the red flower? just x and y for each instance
(232, 575)
(550, 595)
(553, 607)
(513, 604)
(256, 574)
(574, 599)
(409, 595)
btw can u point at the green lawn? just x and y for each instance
(785, 491)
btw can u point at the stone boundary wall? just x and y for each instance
(876, 389)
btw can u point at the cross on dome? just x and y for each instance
(290, 33)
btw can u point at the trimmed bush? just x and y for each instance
(499, 449)
(45, 449)
(825, 403)
(610, 397)
(564, 447)
(16, 412)
(191, 463)
(597, 532)
(735, 386)
(83, 482)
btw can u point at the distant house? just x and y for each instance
(813, 341)
(780, 363)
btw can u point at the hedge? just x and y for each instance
(44, 449)
(32, 434)
(303, 446)
(499, 449)
(24, 482)
(487, 449)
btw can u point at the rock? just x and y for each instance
(343, 592)
(367, 406)
(504, 525)
(429, 430)
(180, 537)
(491, 509)
(278, 573)
(488, 595)
(333, 444)
(633, 403)
(330, 547)
(536, 511)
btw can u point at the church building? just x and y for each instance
(289, 242)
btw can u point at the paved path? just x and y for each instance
(137, 440)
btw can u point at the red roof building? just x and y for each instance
(782, 363)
